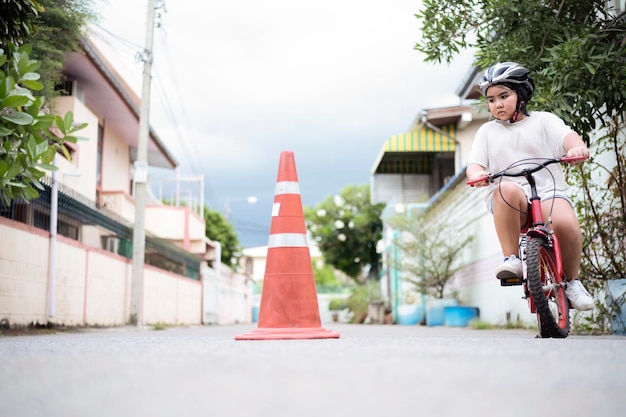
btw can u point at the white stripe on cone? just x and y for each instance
(287, 187)
(287, 240)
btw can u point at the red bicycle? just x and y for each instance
(544, 284)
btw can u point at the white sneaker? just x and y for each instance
(578, 296)
(511, 268)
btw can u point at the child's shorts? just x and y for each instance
(543, 198)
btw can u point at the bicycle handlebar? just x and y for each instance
(524, 172)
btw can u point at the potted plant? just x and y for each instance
(431, 252)
(335, 306)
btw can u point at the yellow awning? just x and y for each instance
(423, 140)
(413, 152)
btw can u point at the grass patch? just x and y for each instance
(160, 326)
(483, 325)
(480, 325)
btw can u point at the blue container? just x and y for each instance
(459, 316)
(255, 314)
(410, 314)
(614, 290)
(435, 313)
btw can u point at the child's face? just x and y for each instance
(502, 102)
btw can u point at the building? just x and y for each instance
(82, 274)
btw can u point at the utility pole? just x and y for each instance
(140, 178)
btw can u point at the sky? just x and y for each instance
(237, 82)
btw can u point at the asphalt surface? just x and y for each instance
(368, 371)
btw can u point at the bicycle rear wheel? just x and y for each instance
(546, 289)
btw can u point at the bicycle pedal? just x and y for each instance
(509, 282)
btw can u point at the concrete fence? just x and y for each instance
(91, 286)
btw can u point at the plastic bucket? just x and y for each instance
(435, 313)
(410, 314)
(459, 316)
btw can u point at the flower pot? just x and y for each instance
(459, 316)
(435, 311)
(614, 290)
(410, 314)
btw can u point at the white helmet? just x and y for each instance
(507, 73)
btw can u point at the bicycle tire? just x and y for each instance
(552, 306)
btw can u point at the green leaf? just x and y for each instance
(41, 148)
(66, 153)
(70, 139)
(32, 76)
(48, 167)
(31, 193)
(14, 101)
(19, 118)
(45, 119)
(20, 91)
(33, 85)
(69, 121)
(12, 172)
(60, 124)
(34, 66)
(591, 69)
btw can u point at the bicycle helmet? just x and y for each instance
(515, 77)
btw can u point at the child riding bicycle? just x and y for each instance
(516, 134)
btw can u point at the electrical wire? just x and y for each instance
(128, 51)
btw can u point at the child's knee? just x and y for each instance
(509, 194)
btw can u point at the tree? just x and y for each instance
(58, 30)
(30, 137)
(601, 208)
(346, 228)
(575, 50)
(218, 229)
(431, 252)
(16, 20)
(52, 27)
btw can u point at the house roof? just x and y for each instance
(468, 87)
(106, 93)
(441, 116)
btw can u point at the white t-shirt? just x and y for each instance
(498, 144)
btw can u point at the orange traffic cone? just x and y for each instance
(289, 308)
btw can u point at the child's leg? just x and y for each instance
(509, 214)
(566, 227)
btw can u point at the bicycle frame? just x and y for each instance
(540, 230)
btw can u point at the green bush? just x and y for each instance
(358, 302)
(30, 137)
(337, 304)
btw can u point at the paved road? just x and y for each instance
(368, 371)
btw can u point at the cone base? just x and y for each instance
(289, 333)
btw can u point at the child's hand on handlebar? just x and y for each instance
(476, 177)
(577, 152)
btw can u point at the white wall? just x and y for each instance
(227, 296)
(92, 285)
(80, 174)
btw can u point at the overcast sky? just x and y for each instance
(236, 82)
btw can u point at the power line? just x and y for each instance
(188, 147)
(127, 51)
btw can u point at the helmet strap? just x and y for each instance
(520, 105)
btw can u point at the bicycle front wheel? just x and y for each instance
(546, 289)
